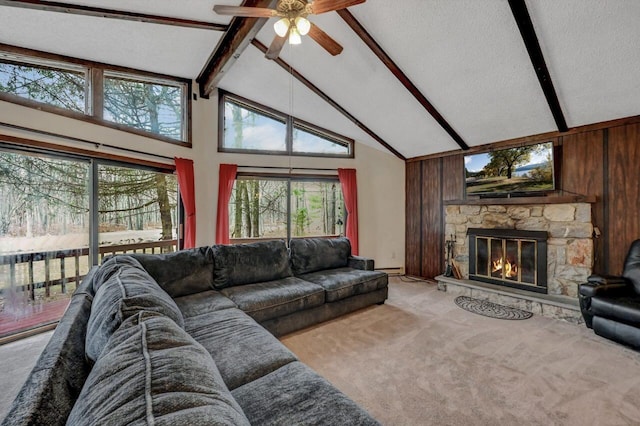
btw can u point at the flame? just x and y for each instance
(510, 269)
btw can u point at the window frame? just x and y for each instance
(290, 122)
(94, 89)
(289, 179)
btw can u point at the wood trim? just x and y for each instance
(23, 142)
(400, 75)
(76, 9)
(231, 45)
(97, 96)
(541, 137)
(6, 97)
(562, 199)
(329, 100)
(528, 33)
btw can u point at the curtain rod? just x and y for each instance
(287, 168)
(74, 139)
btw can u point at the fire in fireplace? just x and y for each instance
(509, 257)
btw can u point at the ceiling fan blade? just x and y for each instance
(276, 46)
(249, 12)
(323, 39)
(322, 6)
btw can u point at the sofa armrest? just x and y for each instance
(606, 279)
(358, 262)
(592, 289)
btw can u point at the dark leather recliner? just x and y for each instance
(610, 305)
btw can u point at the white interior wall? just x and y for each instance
(381, 178)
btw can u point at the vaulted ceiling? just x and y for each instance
(467, 65)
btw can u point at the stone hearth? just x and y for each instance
(569, 253)
(569, 246)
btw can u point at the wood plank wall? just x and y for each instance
(603, 162)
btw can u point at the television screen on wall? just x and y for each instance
(514, 171)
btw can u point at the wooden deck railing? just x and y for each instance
(54, 270)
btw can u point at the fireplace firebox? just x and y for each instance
(509, 257)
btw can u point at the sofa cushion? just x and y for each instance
(240, 264)
(632, 265)
(341, 283)
(242, 349)
(295, 395)
(127, 290)
(180, 273)
(202, 303)
(623, 308)
(272, 299)
(153, 372)
(316, 254)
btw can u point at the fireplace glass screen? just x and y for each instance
(506, 259)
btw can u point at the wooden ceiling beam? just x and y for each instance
(326, 98)
(528, 33)
(237, 37)
(400, 75)
(76, 9)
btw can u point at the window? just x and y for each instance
(144, 104)
(49, 214)
(149, 106)
(283, 207)
(62, 87)
(249, 127)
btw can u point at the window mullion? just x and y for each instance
(97, 92)
(288, 211)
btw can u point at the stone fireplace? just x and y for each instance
(569, 244)
(509, 257)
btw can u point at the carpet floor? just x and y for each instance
(420, 360)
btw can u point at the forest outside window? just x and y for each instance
(62, 214)
(249, 127)
(144, 104)
(283, 207)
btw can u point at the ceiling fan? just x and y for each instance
(293, 21)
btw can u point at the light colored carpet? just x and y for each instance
(420, 360)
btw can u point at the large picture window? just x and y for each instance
(154, 106)
(54, 227)
(285, 207)
(248, 127)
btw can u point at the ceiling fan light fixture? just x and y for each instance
(294, 36)
(303, 25)
(281, 27)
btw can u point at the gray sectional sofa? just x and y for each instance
(189, 338)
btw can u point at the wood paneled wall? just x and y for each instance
(604, 162)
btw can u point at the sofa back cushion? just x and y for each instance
(239, 264)
(631, 269)
(180, 273)
(317, 254)
(122, 289)
(153, 372)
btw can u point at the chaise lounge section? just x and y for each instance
(182, 338)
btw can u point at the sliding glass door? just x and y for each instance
(48, 213)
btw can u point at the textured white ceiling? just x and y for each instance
(197, 10)
(592, 50)
(172, 50)
(466, 56)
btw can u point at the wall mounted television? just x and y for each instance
(518, 171)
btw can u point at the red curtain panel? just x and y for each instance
(225, 186)
(350, 194)
(184, 170)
